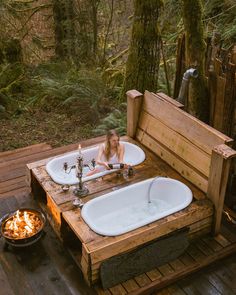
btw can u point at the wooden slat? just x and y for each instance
(176, 143)
(134, 102)
(15, 192)
(154, 274)
(142, 280)
(165, 269)
(219, 171)
(7, 175)
(130, 285)
(195, 253)
(5, 286)
(174, 102)
(219, 103)
(118, 290)
(183, 168)
(11, 184)
(80, 228)
(100, 291)
(222, 240)
(202, 135)
(22, 152)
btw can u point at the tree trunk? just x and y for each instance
(197, 104)
(144, 54)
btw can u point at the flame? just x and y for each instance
(22, 225)
(79, 148)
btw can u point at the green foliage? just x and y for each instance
(220, 16)
(66, 87)
(115, 120)
(11, 77)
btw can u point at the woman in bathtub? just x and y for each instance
(110, 152)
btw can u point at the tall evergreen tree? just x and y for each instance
(197, 104)
(144, 53)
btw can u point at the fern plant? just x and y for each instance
(115, 120)
(83, 87)
(11, 81)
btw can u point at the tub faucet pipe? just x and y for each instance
(184, 85)
(149, 188)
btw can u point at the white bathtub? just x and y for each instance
(134, 155)
(126, 209)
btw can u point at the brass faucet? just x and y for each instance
(81, 190)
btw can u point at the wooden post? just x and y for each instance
(219, 172)
(134, 102)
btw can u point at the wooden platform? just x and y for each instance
(94, 249)
(215, 280)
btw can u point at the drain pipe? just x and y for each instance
(184, 85)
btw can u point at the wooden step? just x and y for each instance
(200, 254)
(21, 152)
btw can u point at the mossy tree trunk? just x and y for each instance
(197, 104)
(65, 36)
(144, 53)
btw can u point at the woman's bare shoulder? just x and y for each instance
(121, 146)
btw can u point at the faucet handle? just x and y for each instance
(130, 171)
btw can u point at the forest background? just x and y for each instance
(63, 64)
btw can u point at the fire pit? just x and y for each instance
(22, 227)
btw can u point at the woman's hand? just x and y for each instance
(105, 164)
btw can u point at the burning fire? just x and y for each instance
(22, 225)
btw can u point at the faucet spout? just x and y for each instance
(149, 188)
(184, 85)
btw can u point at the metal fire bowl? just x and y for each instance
(22, 242)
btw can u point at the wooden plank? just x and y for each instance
(170, 290)
(229, 99)
(11, 184)
(219, 103)
(118, 290)
(15, 192)
(222, 240)
(183, 168)
(211, 242)
(154, 274)
(22, 152)
(130, 285)
(203, 247)
(142, 280)
(5, 285)
(176, 264)
(80, 228)
(219, 284)
(165, 269)
(195, 253)
(7, 175)
(134, 102)
(219, 171)
(169, 99)
(176, 143)
(202, 135)
(100, 291)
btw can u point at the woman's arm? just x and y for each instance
(121, 155)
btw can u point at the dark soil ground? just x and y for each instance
(55, 128)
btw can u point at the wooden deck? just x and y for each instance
(44, 270)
